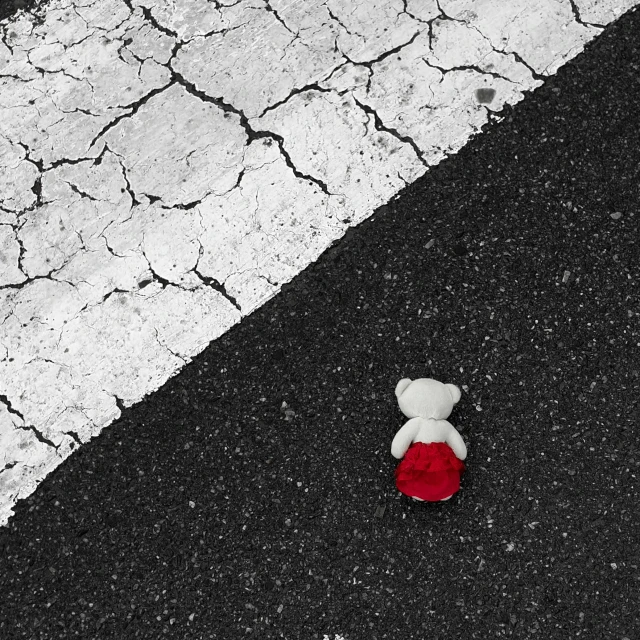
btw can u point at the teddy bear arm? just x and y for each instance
(403, 439)
(455, 441)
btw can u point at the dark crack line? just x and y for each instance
(107, 296)
(29, 280)
(273, 284)
(13, 76)
(578, 17)
(251, 133)
(277, 16)
(406, 184)
(5, 40)
(36, 188)
(217, 286)
(134, 201)
(109, 248)
(287, 158)
(21, 253)
(386, 54)
(151, 19)
(380, 126)
(133, 109)
(38, 359)
(169, 349)
(10, 408)
(71, 161)
(405, 9)
(474, 68)
(294, 92)
(8, 466)
(80, 110)
(336, 19)
(75, 436)
(42, 71)
(80, 192)
(157, 277)
(39, 436)
(444, 16)
(183, 206)
(518, 57)
(239, 180)
(119, 404)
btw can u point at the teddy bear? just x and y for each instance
(431, 449)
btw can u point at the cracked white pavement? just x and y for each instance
(166, 165)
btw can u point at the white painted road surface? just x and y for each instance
(166, 166)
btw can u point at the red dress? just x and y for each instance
(429, 471)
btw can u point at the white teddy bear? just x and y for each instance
(431, 448)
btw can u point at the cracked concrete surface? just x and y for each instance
(166, 166)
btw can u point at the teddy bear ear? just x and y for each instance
(401, 386)
(454, 392)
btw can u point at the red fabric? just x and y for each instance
(429, 471)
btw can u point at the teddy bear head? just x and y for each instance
(426, 398)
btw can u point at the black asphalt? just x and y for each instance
(212, 510)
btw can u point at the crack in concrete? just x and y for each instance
(133, 107)
(444, 16)
(344, 26)
(22, 251)
(119, 403)
(71, 161)
(473, 68)
(386, 54)
(151, 19)
(277, 16)
(517, 57)
(183, 206)
(106, 242)
(5, 39)
(252, 134)
(7, 466)
(406, 11)
(75, 436)
(367, 64)
(441, 16)
(380, 126)
(164, 346)
(134, 200)
(273, 284)
(157, 277)
(39, 436)
(10, 408)
(107, 296)
(578, 17)
(29, 280)
(294, 92)
(81, 193)
(534, 74)
(212, 282)
(36, 188)
(217, 286)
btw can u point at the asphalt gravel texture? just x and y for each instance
(253, 495)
